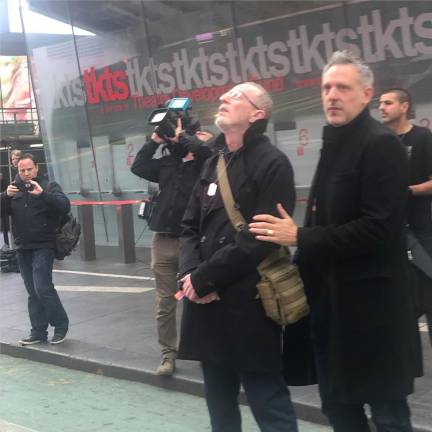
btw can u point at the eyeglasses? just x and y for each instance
(237, 94)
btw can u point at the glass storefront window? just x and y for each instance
(96, 87)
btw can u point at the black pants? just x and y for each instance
(391, 416)
(267, 395)
(388, 416)
(424, 282)
(5, 229)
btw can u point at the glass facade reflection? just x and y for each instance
(95, 89)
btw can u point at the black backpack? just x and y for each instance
(67, 236)
(9, 262)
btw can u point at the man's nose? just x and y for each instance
(223, 97)
(333, 93)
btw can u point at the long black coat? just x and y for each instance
(233, 331)
(353, 262)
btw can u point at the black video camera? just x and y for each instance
(166, 118)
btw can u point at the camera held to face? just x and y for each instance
(24, 186)
(166, 118)
(28, 187)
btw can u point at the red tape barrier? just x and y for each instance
(118, 202)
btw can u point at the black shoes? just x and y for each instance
(58, 337)
(32, 340)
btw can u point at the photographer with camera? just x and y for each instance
(36, 206)
(176, 172)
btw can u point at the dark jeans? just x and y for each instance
(5, 229)
(267, 395)
(390, 416)
(44, 304)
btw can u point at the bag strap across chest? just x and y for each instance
(236, 218)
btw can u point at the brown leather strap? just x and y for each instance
(234, 214)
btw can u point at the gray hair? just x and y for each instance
(346, 57)
(262, 98)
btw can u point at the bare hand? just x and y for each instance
(282, 231)
(37, 189)
(178, 131)
(208, 298)
(190, 293)
(156, 138)
(203, 135)
(11, 190)
(188, 288)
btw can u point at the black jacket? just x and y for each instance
(233, 331)
(353, 261)
(35, 218)
(176, 180)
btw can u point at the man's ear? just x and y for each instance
(368, 93)
(257, 115)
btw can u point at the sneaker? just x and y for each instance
(32, 340)
(166, 368)
(5, 248)
(58, 337)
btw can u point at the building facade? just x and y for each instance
(95, 91)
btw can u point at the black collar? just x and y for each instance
(333, 133)
(255, 131)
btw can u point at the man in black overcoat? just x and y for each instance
(224, 325)
(353, 260)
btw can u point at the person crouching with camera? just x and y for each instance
(176, 172)
(36, 206)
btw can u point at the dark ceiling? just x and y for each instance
(111, 15)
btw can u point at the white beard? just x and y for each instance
(223, 125)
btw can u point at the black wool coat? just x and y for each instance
(353, 261)
(233, 331)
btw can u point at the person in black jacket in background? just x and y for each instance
(176, 173)
(395, 109)
(36, 206)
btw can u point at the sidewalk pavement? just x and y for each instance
(113, 333)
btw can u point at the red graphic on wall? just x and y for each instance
(105, 87)
(303, 141)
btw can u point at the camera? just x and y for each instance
(28, 187)
(165, 119)
(23, 187)
(147, 207)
